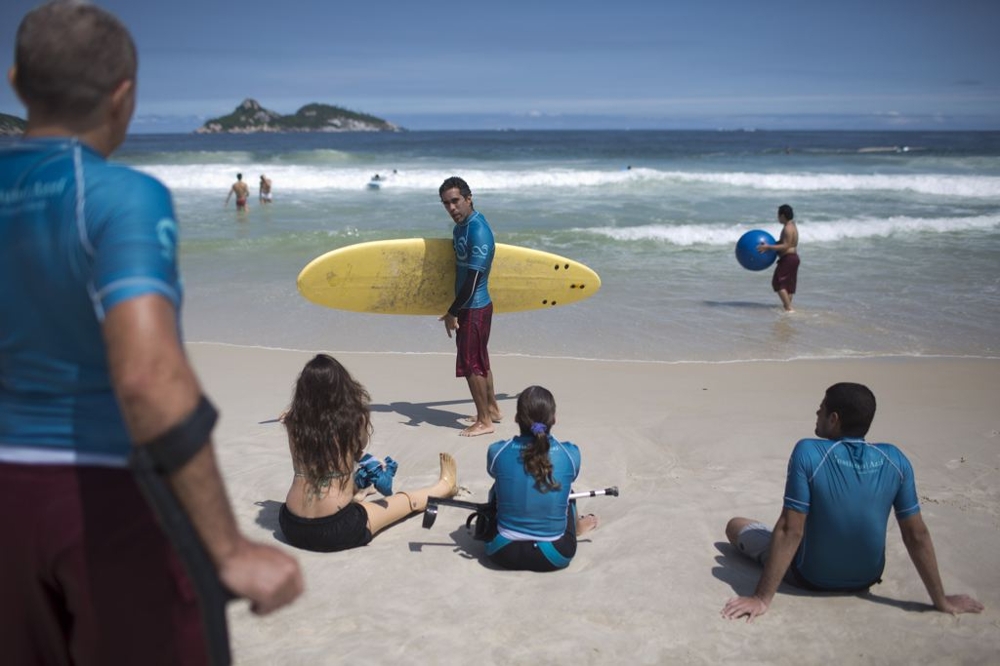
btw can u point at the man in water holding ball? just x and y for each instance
(787, 269)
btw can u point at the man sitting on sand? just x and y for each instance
(831, 532)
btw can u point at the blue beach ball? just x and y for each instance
(747, 254)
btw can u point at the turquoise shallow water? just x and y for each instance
(900, 236)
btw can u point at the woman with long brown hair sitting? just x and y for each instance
(329, 426)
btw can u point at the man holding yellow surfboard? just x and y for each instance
(471, 313)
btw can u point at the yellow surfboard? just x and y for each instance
(417, 276)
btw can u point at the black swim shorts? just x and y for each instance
(348, 528)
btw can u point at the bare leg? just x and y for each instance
(735, 526)
(491, 399)
(385, 512)
(481, 388)
(786, 300)
(491, 402)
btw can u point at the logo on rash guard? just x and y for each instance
(166, 232)
(462, 249)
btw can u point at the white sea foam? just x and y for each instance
(661, 235)
(936, 184)
(330, 174)
(812, 232)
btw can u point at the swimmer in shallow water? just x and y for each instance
(242, 192)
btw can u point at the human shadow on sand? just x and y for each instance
(428, 412)
(267, 517)
(739, 304)
(742, 575)
(460, 542)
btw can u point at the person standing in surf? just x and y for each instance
(264, 193)
(471, 313)
(787, 270)
(242, 192)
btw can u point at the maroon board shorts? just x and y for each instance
(786, 273)
(472, 337)
(87, 575)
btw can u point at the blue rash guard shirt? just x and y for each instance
(524, 513)
(474, 250)
(847, 488)
(79, 236)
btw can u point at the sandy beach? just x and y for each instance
(689, 445)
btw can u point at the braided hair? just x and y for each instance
(536, 414)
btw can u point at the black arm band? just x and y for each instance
(151, 463)
(174, 448)
(465, 293)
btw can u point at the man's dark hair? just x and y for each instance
(854, 404)
(455, 181)
(785, 211)
(70, 56)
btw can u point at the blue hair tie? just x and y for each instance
(539, 428)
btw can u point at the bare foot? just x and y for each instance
(497, 418)
(477, 429)
(586, 524)
(449, 475)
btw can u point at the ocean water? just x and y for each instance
(899, 237)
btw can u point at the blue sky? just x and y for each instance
(607, 64)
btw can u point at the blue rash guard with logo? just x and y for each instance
(80, 236)
(525, 513)
(474, 250)
(847, 488)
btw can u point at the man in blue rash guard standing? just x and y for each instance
(92, 375)
(838, 494)
(471, 313)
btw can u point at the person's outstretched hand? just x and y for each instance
(265, 575)
(737, 607)
(450, 323)
(960, 603)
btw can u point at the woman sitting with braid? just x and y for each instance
(329, 425)
(536, 522)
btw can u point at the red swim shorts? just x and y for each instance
(472, 337)
(87, 575)
(786, 273)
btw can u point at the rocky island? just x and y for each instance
(251, 117)
(11, 125)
